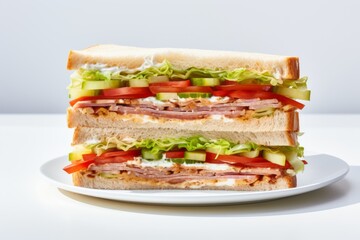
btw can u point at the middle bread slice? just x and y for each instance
(279, 121)
(274, 138)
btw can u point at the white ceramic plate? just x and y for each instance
(321, 171)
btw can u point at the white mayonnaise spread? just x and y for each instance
(159, 102)
(218, 99)
(152, 100)
(221, 183)
(226, 182)
(221, 117)
(102, 68)
(148, 62)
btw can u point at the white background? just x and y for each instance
(37, 35)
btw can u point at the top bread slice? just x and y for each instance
(285, 67)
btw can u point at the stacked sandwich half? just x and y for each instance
(184, 119)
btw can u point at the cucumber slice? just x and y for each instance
(76, 93)
(157, 79)
(194, 95)
(148, 155)
(205, 82)
(215, 150)
(138, 83)
(251, 154)
(93, 85)
(196, 156)
(293, 93)
(275, 157)
(166, 96)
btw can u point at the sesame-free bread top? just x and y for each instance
(285, 67)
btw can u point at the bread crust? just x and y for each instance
(285, 67)
(277, 122)
(128, 181)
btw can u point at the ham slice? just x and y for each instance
(175, 114)
(178, 173)
(188, 109)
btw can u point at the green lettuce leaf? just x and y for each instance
(166, 69)
(95, 75)
(197, 143)
(240, 148)
(297, 84)
(294, 158)
(190, 144)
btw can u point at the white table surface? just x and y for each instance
(30, 208)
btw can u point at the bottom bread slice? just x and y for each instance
(129, 181)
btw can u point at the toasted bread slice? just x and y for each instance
(279, 121)
(129, 181)
(84, 134)
(285, 67)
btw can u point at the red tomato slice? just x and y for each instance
(244, 87)
(266, 95)
(107, 157)
(175, 154)
(267, 164)
(240, 161)
(88, 98)
(130, 153)
(118, 159)
(134, 96)
(220, 93)
(228, 82)
(244, 94)
(77, 166)
(217, 161)
(283, 99)
(159, 89)
(124, 91)
(213, 160)
(89, 156)
(231, 158)
(184, 83)
(197, 89)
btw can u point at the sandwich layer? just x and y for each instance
(129, 182)
(124, 177)
(86, 134)
(285, 67)
(279, 121)
(165, 118)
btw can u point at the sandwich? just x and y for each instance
(184, 119)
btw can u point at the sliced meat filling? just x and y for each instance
(178, 173)
(183, 109)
